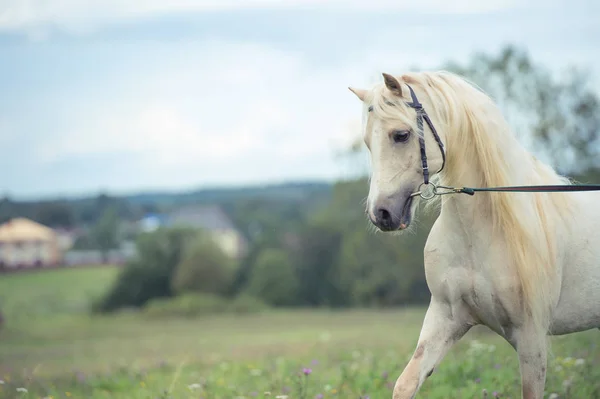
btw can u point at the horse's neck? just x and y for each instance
(473, 214)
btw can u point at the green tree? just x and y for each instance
(106, 232)
(204, 268)
(556, 116)
(316, 263)
(54, 214)
(273, 278)
(150, 274)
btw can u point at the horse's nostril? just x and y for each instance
(383, 215)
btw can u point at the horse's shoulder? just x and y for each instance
(438, 241)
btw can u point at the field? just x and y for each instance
(51, 347)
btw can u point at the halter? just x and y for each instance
(428, 190)
(422, 114)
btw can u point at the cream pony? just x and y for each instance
(524, 264)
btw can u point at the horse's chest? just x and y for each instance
(489, 299)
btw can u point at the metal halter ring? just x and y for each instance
(423, 193)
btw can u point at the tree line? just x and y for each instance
(325, 258)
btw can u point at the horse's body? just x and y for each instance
(524, 264)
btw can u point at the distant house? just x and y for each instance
(208, 217)
(26, 244)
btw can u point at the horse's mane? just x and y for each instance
(479, 138)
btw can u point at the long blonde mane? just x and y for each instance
(480, 143)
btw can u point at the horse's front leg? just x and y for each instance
(444, 324)
(532, 349)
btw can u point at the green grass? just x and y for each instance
(52, 292)
(352, 354)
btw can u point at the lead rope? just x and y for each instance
(431, 190)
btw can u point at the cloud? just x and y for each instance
(225, 112)
(36, 17)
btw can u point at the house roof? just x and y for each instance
(210, 217)
(22, 229)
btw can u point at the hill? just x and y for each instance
(70, 212)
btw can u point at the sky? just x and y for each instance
(126, 96)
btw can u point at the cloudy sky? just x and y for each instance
(132, 95)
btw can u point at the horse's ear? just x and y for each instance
(392, 84)
(360, 93)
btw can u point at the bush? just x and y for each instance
(273, 278)
(195, 305)
(150, 274)
(136, 284)
(246, 304)
(204, 268)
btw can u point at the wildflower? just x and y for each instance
(319, 396)
(1, 382)
(553, 396)
(306, 371)
(22, 390)
(142, 384)
(495, 394)
(334, 391)
(477, 380)
(579, 362)
(68, 394)
(192, 387)
(267, 393)
(281, 397)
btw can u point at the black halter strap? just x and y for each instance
(421, 114)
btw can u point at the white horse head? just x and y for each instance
(396, 144)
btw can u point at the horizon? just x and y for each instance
(136, 192)
(152, 97)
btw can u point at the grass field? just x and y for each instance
(51, 347)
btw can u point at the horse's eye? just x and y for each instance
(400, 136)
